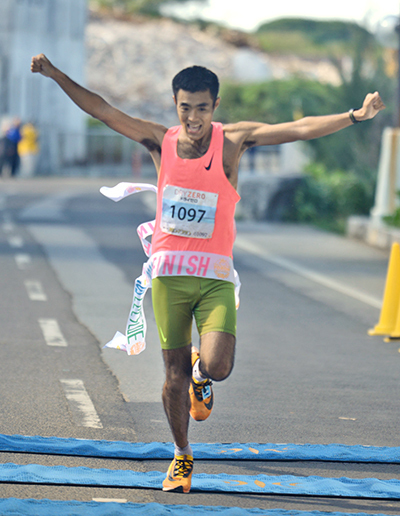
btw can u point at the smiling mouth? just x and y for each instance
(193, 129)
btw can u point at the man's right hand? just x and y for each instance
(40, 64)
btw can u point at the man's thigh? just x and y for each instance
(177, 298)
(173, 301)
(216, 309)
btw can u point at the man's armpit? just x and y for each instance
(151, 145)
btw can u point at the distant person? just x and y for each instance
(13, 136)
(28, 149)
(6, 149)
(3, 151)
(197, 164)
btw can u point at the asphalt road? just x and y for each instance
(306, 370)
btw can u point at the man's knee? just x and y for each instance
(218, 371)
(178, 368)
(217, 354)
(176, 384)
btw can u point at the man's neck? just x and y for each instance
(189, 148)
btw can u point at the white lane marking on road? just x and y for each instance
(102, 305)
(80, 404)
(23, 261)
(16, 241)
(35, 290)
(52, 333)
(247, 245)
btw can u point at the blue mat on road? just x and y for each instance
(235, 451)
(28, 507)
(260, 484)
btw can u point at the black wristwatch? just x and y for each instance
(352, 117)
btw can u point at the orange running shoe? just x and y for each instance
(179, 475)
(201, 394)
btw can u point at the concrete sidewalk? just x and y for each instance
(379, 235)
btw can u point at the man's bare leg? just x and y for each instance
(217, 352)
(176, 400)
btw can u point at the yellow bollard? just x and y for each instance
(391, 297)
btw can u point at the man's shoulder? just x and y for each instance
(231, 127)
(237, 132)
(241, 126)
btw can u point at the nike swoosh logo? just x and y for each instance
(209, 166)
(162, 335)
(209, 404)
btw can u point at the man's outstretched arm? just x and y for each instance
(307, 128)
(148, 133)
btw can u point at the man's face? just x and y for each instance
(195, 112)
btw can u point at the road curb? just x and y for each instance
(376, 235)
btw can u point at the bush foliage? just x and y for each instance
(394, 220)
(327, 199)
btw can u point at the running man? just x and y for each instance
(197, 165)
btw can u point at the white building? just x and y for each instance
(57, 29)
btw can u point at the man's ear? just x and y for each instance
(173, 96)
(217, 101)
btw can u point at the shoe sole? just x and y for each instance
(177, 489)
(171, 485)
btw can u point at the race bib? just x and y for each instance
(188, 213)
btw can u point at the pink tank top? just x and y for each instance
(195, 201)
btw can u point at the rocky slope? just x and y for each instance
(131, 63)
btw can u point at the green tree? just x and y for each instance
(135, 6)
(319, 32)
(311, 38)
(358, 149)
(275, 101)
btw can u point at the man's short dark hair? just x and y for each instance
(194, 79)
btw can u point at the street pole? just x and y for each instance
(398, 75)
(388, 180)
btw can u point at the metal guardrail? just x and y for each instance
(101, 148)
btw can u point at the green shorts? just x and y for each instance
(177, 298)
